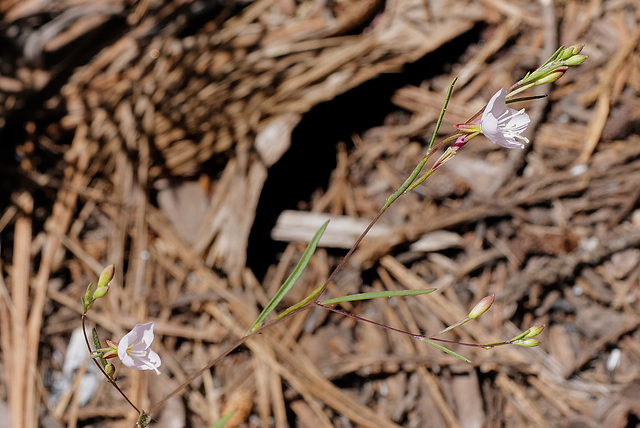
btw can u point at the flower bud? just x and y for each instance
(107, 276)
(481, 307)
(534, 331)
(527, 343)
(570, 51)
(469, 128)
(445, 157)
(110, 369)
(111, 351)
(576, 60)
(552, 76)
(100, 292)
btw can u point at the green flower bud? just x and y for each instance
(527, 343)
(552, 76)
(576, 60)
(100, 292)
(107, 276)
(110, 369)
(481, 307)
(534, 331)
(570, 51)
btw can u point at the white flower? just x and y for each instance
(133, 349)
(503, 125)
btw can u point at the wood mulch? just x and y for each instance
(198, 146)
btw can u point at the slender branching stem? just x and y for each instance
(109, 378)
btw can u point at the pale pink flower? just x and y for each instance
(134, 352)
(503, 125)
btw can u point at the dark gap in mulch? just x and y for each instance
(354, 380)
(308, 164)
(633, 420)
(64, 60)
(203, 14)
(31, 109)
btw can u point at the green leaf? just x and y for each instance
(301, 303)
(224, 420)
(414, 174)
(377, 295)
(412, 177)
(288, 284)
(96, 343)
(446, 350)
(517, 100)
(444, 109)
(86, 299)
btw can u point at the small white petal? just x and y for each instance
(154, 360)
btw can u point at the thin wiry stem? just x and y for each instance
(109, 378)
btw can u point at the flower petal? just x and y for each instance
(497, 104)
(154, 360)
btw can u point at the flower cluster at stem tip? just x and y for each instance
(503, 125)
(134, 348)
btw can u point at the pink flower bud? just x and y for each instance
(107, 276)
(552, 76)
(481, 307)
(469, 128)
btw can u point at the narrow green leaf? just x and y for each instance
(96, 339)
(391, 199)
(96, 343)
(288, 284)
(414, 174)
(377, 295)
(533, 97)
(224, 420)
(301, 303)
(444, 109)
(446, 350)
